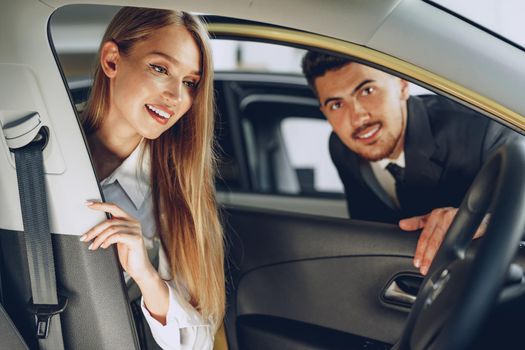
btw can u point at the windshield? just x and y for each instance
(504, 18)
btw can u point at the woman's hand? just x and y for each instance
(125, 231)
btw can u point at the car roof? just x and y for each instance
(411, 30)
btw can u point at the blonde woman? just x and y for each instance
(149, 125)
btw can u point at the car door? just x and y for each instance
(302, 276)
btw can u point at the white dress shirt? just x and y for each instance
(129, 187)
(383, 176)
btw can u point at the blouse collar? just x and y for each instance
(133, 175)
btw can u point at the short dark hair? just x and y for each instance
(316, 64)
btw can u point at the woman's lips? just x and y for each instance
(158, 113)
(367, 133)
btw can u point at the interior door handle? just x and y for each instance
(402, 290)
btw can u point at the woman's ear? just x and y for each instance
(109, 57)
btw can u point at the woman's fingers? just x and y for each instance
(127, 239)
(110, 208)
(96, 230)
(112, 230)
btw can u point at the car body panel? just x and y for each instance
(383, 26)
(26, 23)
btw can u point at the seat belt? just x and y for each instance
(27, 138)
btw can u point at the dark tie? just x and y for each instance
(397, 172)
(399, 175)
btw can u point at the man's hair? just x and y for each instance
(316, 64)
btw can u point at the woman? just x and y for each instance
(149, 125)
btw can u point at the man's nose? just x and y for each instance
(173, 93)
(359, 115)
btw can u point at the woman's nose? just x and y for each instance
(173, 93)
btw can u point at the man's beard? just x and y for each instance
(377, 152)
(389, 145)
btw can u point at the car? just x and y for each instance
(301, 273)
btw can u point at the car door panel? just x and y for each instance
(314, 272)
(355, 285)
(311, 282)
(275, 333)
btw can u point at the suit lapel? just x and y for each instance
(371, 180)
(359, 169)
(423, 159)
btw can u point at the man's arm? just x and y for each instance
(436, 223)
(435, 226)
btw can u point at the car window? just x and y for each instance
(272, 137)
(283, 144)
(306, 143)
(283, 134)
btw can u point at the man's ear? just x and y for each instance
(405, 91)
(109, 57)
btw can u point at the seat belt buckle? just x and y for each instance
(43, 314)
(24, 131)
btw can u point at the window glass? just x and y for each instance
(234, 55)
(502, 17)
(273, 137)
(306, 142)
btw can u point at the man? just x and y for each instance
(401, 158)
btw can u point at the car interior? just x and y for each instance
(301, 274)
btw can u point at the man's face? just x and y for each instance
(366, 108)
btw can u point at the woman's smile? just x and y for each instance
(161, 114)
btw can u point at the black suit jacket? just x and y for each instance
(445, 146)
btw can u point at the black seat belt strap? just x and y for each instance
(45, 303)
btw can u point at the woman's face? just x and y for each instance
(154, 85)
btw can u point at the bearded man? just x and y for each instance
(402, 159)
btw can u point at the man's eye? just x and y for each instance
(335, 106)
(159, 69)
(368, 90)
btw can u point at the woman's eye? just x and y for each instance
(159, 69)
(190, 84)
(335, 106)
(368, 90)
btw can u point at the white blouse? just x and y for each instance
(129, 187)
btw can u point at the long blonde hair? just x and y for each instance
(182, 165)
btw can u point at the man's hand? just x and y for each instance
(435, 225)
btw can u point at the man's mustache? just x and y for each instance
(364, 127)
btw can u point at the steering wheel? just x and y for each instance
(459, 289)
